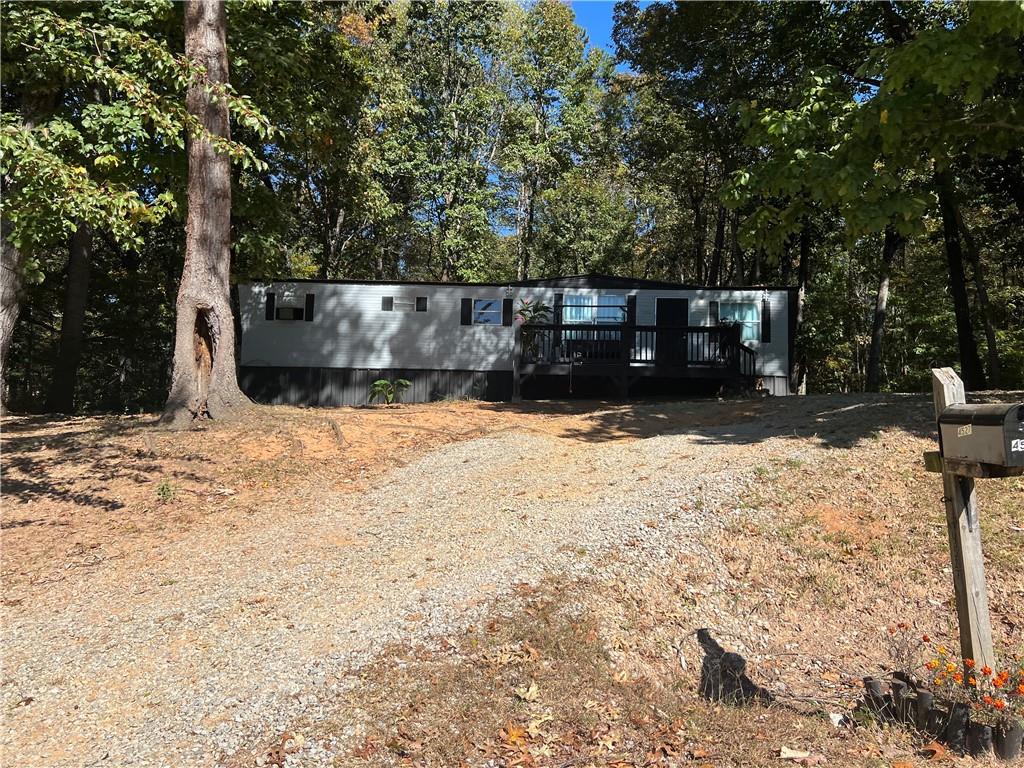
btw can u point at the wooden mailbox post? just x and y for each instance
(964, 538)
(963, 524)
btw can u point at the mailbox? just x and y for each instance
(992, 433)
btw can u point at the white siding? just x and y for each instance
(350, 330)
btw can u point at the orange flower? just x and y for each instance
(969, 663)
(950, 667)
(972, 681)
(987, 699)
(1020, 689)
(999, 704)
(997, 682)
(932, 665)
(986, 670)
(958, 677)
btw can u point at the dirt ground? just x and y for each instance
(816, 531)
(78, 492)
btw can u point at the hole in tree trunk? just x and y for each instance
(203, 339)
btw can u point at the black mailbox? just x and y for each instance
(992, 433)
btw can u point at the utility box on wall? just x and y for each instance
(991, 433)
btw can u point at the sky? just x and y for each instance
(595, 16)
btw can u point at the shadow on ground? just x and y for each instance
(34, 458)
(836, 421)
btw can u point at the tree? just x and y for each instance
(928, 88)
(92, 119)
(204, 382)
(552, 93)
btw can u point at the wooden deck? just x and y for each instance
(626, 352)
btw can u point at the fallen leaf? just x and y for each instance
(514, 735)
(528, 693)
(934, 751)
(785, 753)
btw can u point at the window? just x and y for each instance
(745, 313)
(486, 312)
(606, 308)
(402, 304)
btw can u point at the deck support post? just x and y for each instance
(517, 362)
(964, 540)
(626, 339)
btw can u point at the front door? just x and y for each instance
(671, 318)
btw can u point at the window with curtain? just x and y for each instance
(746, 313)
(606, 308)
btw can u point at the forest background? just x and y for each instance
(867, 153)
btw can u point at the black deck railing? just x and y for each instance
(711, 347)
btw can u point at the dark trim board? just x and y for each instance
(590, 281)
(334, 387)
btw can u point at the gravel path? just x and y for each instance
(203, 652)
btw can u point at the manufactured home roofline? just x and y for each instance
(543, 282)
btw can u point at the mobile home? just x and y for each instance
(324, 342)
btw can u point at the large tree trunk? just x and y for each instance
(970, 363)
(61, 397)
(36, 105)
(889, 248)
(10, 300)
(974, 256)
(798, 367)
(204, 382)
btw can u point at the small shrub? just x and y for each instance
(165, 492)
(387, 390)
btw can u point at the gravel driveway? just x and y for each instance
(201, 652)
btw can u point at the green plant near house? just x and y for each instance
(531, 312)
(388, 391)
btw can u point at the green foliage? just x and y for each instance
(93, 107)
(387, 390)
(166, 492)
(533, 311)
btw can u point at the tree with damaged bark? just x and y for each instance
(92, 117)
(204, 380)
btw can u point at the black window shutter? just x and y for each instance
(631, 309)
(421, 303)
(559, 299)
(506, 312)
(387, 303)
(308, 314)
(467, 312)
(766, 321)
(271, 298)
(712, 313)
